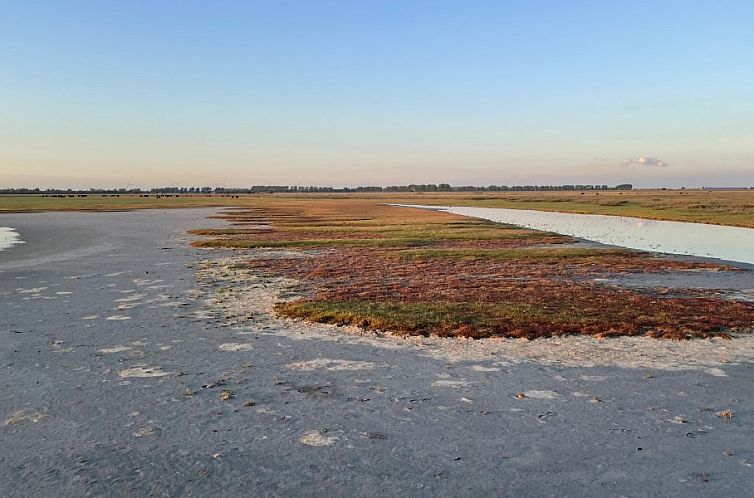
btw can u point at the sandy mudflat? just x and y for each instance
(134, 365)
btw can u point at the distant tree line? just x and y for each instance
(273, 189)
(444, 187)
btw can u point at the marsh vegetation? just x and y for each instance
(423, 272)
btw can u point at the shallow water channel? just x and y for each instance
(8, 237)
(673, 237)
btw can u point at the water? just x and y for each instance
(673, 237)
(8, 237)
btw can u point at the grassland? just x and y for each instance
(734, 208)
(28, 203)
(424, 272)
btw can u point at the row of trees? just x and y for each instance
(444, 187)
(272, 189)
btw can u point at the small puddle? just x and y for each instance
(672, 237)
(9, 237)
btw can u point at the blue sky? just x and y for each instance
(376, 92)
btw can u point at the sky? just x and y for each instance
(376, 92)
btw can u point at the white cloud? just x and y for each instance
(644, 161)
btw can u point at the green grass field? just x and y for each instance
(735, 208)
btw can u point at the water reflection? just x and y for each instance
(8, 237)
(694, 239)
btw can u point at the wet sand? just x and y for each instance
(135, 365)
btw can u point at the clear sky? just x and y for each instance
(309, 92)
